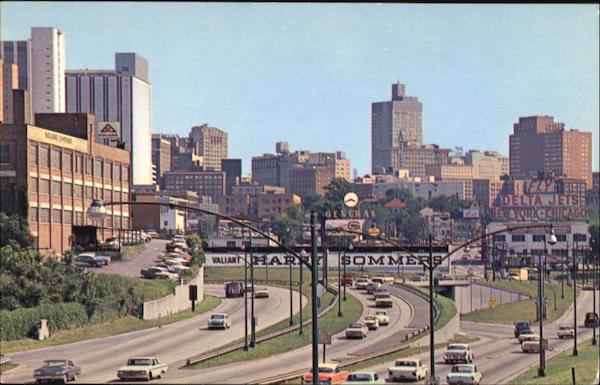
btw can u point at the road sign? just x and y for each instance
(544, 344)
(325, 337)
(351, 199)
(493, 302)
(373, 231)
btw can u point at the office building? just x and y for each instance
(122, 99)
(207, 183)
(63, 169)
(487, 164)
(540, 144)
(233, 173)
(9, 81)
(161, 155)
(211, 144)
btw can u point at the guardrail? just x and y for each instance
(414, 290)
(230, 348)
(263, 281)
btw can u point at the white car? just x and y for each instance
(384, 300)
(142, 368)
(464, 374)
(363, 378)
(408, 369)
(356, 330)
(371, 322)
(531, 346)
(219, 321)
(565, 331)
(261, 292)
(525, 334)
(458, 353)
(383, 317)
(362, 283)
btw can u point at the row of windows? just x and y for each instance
(540, 238)
(58, 216)
(70, 162)
(69, 190)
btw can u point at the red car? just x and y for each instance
(329, 373)
(347, 280)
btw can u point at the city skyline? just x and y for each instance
(256, 74)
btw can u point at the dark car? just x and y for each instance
(88, 259)
(54, 370)
(521, 326)
(591, 320)
(234, 289)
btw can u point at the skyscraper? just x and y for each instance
(211, 144)
(394, 123)
(123, 98)
(539, 144)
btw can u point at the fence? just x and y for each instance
(476, 297)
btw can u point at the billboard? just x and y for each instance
(109, 130)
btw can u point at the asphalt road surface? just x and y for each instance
(401, 314)
(173, 344)
(131, 268)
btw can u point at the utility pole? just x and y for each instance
(315, 276)
(431, 316)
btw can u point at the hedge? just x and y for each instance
(21, 323)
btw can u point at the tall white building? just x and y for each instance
(123, 96)
(41, 65)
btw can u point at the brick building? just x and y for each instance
(208, 183)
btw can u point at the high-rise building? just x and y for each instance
(487, 164)
(207, 183)
(42, 62)
(415, 157)
(540, 144)
(9, 81)
(123, 98)
(161, 154)
(233, 173)
(211, 144)
(394, 122)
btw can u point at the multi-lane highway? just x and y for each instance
(173, 343)
(401, 315)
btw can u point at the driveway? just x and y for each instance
(131, 268)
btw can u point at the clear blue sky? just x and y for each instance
(308, 73)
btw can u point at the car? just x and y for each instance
(525, 334)
(362, 283)
(219, 321)
(152, 233)
(591, 320)
(587, 286)
(458, 353)
(372, 286)
(378, 291)
(356, 330)
(383, 317)
(234, 289)
(520, 326)
(112, 244)
(173, 268)
(513, 277)
(142, 368)
(530, 337)
(377, 279)
(329, 373)
(89, 259)
(176, 261)
(365, 378)
(407, 369)
(261, 292)
(145, 236)
(371, 322)
(531, 346)
(347, 280)
(464, 374)
(565, 331)
(53, 370)
(384, 300)
(158, 272)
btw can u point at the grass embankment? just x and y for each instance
(526, 309)
(7, 366)
(106, 329)
(352, 309)
(558, 368)
(131, 251)
(260, 273)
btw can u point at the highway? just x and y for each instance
(498, 354)
(401, 315)
(101, 358)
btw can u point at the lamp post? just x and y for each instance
(253, 317)
(431, 267)
(245, 299)
(315, 275)
(542, 302)
(575, 301)
(594, 284)
(340, 314)
(303, 254)
(350, 248)
(291, 294)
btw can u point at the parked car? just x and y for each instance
(591, 320)
(112, 244)
(261, 292)
(521, 326)
(464, 374)
(329, 373)
(364, 378)
(371, 322)
(173, 268)
(357, 330)
(219, 320)
(383, 317)
(234, 289)
(407, 369)
(158, 272)
(152, 233)
(145, 236)
(565, 331)
(458, 353)
(89, 259)
(384, 300)
(525, 334)
(57, 370)
(142, 368)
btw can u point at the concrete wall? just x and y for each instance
(174, 303)
(444, 334)
(476, 297)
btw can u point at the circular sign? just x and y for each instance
(373, 231)
(351, 199)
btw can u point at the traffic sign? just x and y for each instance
(325, 337)
(493, 302)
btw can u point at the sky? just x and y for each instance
(307, 73)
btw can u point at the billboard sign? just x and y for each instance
(109, 130)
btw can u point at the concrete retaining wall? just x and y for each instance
(444, 334)
(476, 297)
(174, 303)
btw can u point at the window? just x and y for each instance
(125, 222)
(56, 188)
(561, 237)
(98, 168)
(579, 238)
(107, 170)
(33, 185)
(44, 215)
(499, 238)
(108, 221)
(44, 186)
(116, 172)
(44, 153)
(125, 174)
(518, 238)
(78, 218)
(4, 154)
(67, 190)
(538, 238)
(56, 216)
(68, 217)
(99, 194)
(55, 159)
(89, 192)
(33, 214)
(78, 164)
(108, 195)
(88, 166)
(78, 191)
(34, 155)
(117, 222)
(67, 161)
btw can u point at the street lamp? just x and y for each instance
(575, 300)
(340, 314)
(594, 284)
(350, 249)
(541, 300)
(303, 254)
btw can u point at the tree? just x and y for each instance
(14, 229)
